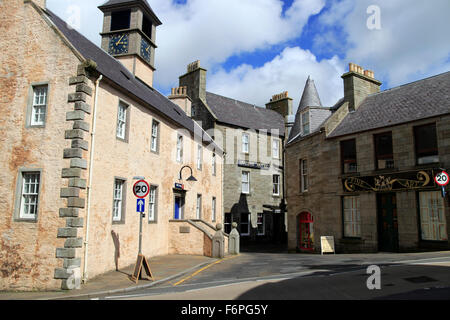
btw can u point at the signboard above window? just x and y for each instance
(253, 165)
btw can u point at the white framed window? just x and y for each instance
(304, 183)
(39, 106)
(276, 185)
(155, 134)
(214, 164)
(152, 203)
(122, 121)
(245, 224)
(213, 209)
(352, 217)
(199, 157)
(276, 149)
(305, 123)
(261, 224)
(198, 209)
(245, 143)
(432, 216)
(180, 148)
(30, 195)
(245, 182)
(118, 200)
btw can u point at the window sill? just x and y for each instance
(26, 220)
(118, 222)
(121, 139)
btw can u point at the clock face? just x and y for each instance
(118, 44)
(145, 50)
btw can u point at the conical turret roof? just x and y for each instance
(310, 98)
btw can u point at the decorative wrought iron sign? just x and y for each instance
(253, 165)
(391, 182)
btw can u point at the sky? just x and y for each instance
(254, 49)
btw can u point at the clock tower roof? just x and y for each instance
(120, 4)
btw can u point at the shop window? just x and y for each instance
(261, 224)
(352, 217)
(384, 154)
(432, 216)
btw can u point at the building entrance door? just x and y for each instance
(387, 222)
(179, 207)
(305, 232)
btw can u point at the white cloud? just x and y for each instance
(411, 44)
(213, 31)
(286, 72)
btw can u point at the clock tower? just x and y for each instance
(129, 35)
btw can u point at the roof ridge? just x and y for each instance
(408, 84)
(246, 104)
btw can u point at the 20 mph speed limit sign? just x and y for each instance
(442, 179)
(141, 189)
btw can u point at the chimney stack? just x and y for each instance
(358, 84)
(195, 81)
(179, 96)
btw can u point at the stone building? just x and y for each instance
(365, 175)
(252, 138)
(79, 124)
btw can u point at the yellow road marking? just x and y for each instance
(202, 269)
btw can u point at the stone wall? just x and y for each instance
(324, 197)
(32, 53)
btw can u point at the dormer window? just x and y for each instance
(305, 123)
(120, 20)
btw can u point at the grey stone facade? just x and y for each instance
(326, 192)
(240, 206)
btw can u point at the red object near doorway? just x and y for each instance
(305, 229)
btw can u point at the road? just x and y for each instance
(271, 276)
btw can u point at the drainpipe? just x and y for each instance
(89, 187)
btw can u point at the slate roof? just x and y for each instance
(422, 99)
(244, 115)
(310, 98)
(116, 72)
(144, 3)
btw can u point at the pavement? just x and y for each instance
(163, 268)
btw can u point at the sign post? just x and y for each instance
(442, 179)
(141, 189)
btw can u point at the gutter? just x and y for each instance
(91, 165)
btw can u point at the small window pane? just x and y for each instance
(39, 108)
(29, 199)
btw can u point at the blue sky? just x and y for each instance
(254, 49)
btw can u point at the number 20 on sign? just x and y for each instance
(141, 189)
(442, 179)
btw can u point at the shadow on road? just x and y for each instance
(398, 282)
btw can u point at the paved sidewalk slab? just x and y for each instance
(163, 269)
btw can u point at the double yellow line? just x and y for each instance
(204, 268)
